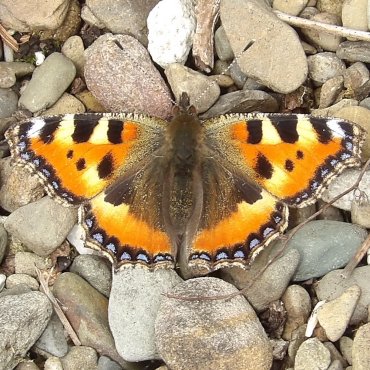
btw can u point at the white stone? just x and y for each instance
(171, 26)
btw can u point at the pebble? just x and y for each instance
(312, 355)
(21, 16)
(330, 6)
(3, 242)
(345, 345)
(53, 363)
(335, 355)
(297, 338)
(355, 77)
(292, 7)
(191, 334)
(27, 366)
(354, 14)
(354, 51)
(110, 13)
(299, 215)
(80, 357)
(278, 275)
(122, 77)
(244, 101)
(7, 77)
(341, 183)
(237, 75)
(19, 186)
(20, 69)
(360, 211)
(323, 66)
(279, 43)
(53, 340)
(320, 39)
(330, 213)
(26, 263)
(335, 365)
(95, 270)
(171, 27)
(69, 27)
(331, 110)
(8, 102)
(330, 91)
(222, 45)
(323, 246)
(90, 102)
(73, 48)
(22, 320)
(66, 104)
(87, 312)
(335, 315)
(16, 279)
(48, 83)
(202, 91)
(360, 348)
(41, 226)
(332, 285)
(297, 303)
(141, 291)
(361, 116)
(16, 290)
(105, 363)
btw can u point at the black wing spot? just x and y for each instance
(47, 132)
(254, 128)
(322, 131)
(300, 154)
(264, 167)
(84, 127)
(81, 164)
(115, 128)
(286, 128)
(70, 154)
(105, 167)
(289, 165)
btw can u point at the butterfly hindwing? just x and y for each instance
(238, 219)
(293, 157)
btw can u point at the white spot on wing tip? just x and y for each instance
(334, 126)
(38, 124)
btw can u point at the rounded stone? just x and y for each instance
(279, 43)
(354, 14)
(323, 66)
(201, 334)
(73, 48)
(121, 75)
(312, 355)
(8, 102)
(202, 91)
(170, 41)
(360, 348)
(48, 83)
(66, 104)
(25, 279)
(292, 7)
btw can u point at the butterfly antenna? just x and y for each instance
(149, 78)
(236, 58)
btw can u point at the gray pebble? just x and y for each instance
(95, 270)
(48, 83)
(3, 242)
(22, 320)
(141, 292)
(16, 279)
(8, 102)
(354, 51)
(42, 226)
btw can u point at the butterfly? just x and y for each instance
(208, 194)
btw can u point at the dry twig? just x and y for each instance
(58, 310)
(8, 39)
(319, 26)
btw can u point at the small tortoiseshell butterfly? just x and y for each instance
(212, 193)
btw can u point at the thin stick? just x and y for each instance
(58, 309)
(285, 243)
(8, 39)
(319, 26)
(351, 265)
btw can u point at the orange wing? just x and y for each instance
(77, 156)
(294, 157)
